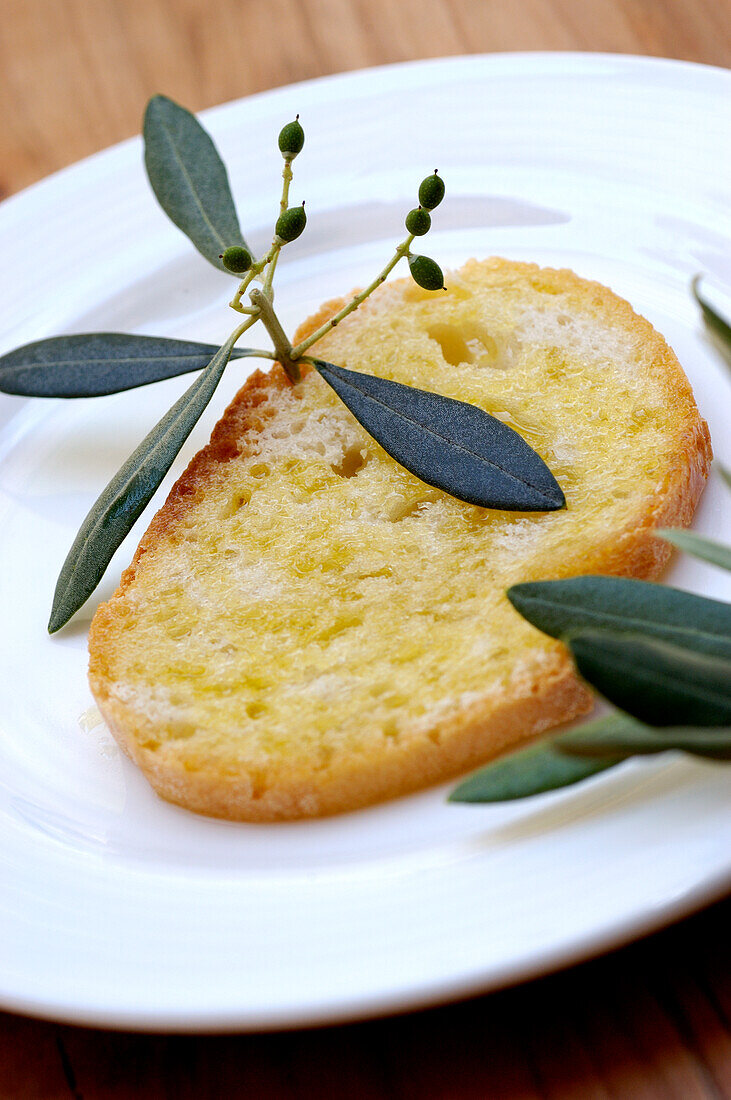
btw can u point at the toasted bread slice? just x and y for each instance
(307, 628)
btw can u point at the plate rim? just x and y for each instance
(359, 1009)
(495, 59)
(429, 993)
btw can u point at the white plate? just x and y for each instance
(118, 909)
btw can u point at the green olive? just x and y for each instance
(236, 259)
(291, 139)
(431, 191)
(418, 221)
(291, 223)
(426, 272)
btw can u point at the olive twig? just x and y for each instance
(291, 141)
(255, 270)
(424, 271)
(282, 346)
(401, 251)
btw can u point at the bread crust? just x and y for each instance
(425, 754)
(421, 758)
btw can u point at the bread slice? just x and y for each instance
(307, 628)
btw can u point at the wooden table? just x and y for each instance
(650, 1021)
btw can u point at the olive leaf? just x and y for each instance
(126, 495)
(534, 770)
(706, 549)
(449, 444)
(620, 734)
(657, 682)
(725, 473)
(577, 754)
(619, 604)
(96, 363)
(717, 324)
(190, 179)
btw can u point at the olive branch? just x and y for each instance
(449, 444)
(661, 656)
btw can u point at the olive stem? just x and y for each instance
(401, 251)
(282, 346)
(286, 180)
(239, 332)
(255, 314)
(251, 274)
(277, 243)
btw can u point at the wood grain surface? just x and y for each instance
(651, 1021)
(75, 74)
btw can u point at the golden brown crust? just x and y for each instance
(464, 739)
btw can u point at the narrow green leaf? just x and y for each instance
(449, 444)
(580, 753)
(190, 179)
(659, 683)
(128, 492)
(706, 549)
(617, 604)
(717, 324)
(725, 473)
(96, 363)
(532, 771)
(617, 733)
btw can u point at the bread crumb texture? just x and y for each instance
(307, 628)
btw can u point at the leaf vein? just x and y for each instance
(446, 439)
(629, 624)
(186, 175)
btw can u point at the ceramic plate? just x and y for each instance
(117, 909)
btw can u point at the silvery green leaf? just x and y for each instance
(619, 604)
(617, 733)
(449, 444)
(190, 179)
(531, 771)
(96, 363)
(129, 491)
(717, 325)
(706, 549)
(659, 683)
